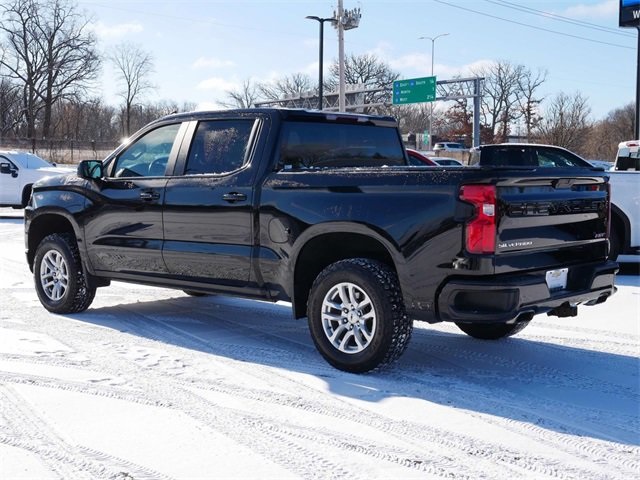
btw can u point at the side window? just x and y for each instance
(11, 164)
(312, 145)
(148, 155)
(219, 146)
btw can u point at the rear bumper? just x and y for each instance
(503, 298)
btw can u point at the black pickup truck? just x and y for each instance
(323, 210)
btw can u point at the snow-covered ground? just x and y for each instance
(152, 384)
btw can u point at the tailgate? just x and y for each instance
(551, 221)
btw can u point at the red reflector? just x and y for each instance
(480, 231)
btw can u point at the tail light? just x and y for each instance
(480, 231)
(608, 185)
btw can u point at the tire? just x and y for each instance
(26, 195)
(492, 331)
(357, 317)
(193, 293)
(59, 278)
(615, 243)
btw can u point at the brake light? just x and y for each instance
(480, 231)
(608, 186)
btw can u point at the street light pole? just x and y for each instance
(321, 55)
(433, 47)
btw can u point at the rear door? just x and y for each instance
(124, 229)
(209, 204)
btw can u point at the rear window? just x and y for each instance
(628, 159)
(307, 145)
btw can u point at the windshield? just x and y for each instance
(29, 160)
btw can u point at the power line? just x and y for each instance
(201, 21)
(534, 27)
(560, 18)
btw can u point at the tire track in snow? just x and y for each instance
(587, 447)
(505, 355)
(307, 393)
(153, 386)
(520, 459)
(31, 432)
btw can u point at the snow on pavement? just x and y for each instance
(152, 384)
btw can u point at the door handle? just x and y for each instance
(232, 197)
(149, 196)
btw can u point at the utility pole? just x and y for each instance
(344, 20)
(342, 106)
(630, 17)
(638, 89)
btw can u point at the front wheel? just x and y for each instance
(357, 316)
(492, 331)
(60, 282)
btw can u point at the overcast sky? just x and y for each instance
(202, 48)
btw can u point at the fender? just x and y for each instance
(290, 276)
(48, 203)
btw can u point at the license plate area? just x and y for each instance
(557, 279)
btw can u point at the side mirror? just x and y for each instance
(90, 169)
(5, 168)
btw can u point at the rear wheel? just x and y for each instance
(60, 282)
(357, 316)
(492, 331)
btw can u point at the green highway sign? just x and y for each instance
(414, 90)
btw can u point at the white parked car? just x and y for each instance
(448, 147)
(20, 170)
(624, 178)
(447, 162)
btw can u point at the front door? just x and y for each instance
(10, 192)
(124, 229)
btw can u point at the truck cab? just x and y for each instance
(624, 179)
(628, 156)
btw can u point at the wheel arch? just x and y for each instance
(319, 250)
(43, 225)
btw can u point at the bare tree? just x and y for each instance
(370, 72)
(295, 84)
(245, 97)
(412, 118)
(528, 98)
(566, 122)
(49, 52)
(85, 120)
(501, 96)
(10, 107)
(457, 123)
(606, 134)
(133, 66)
